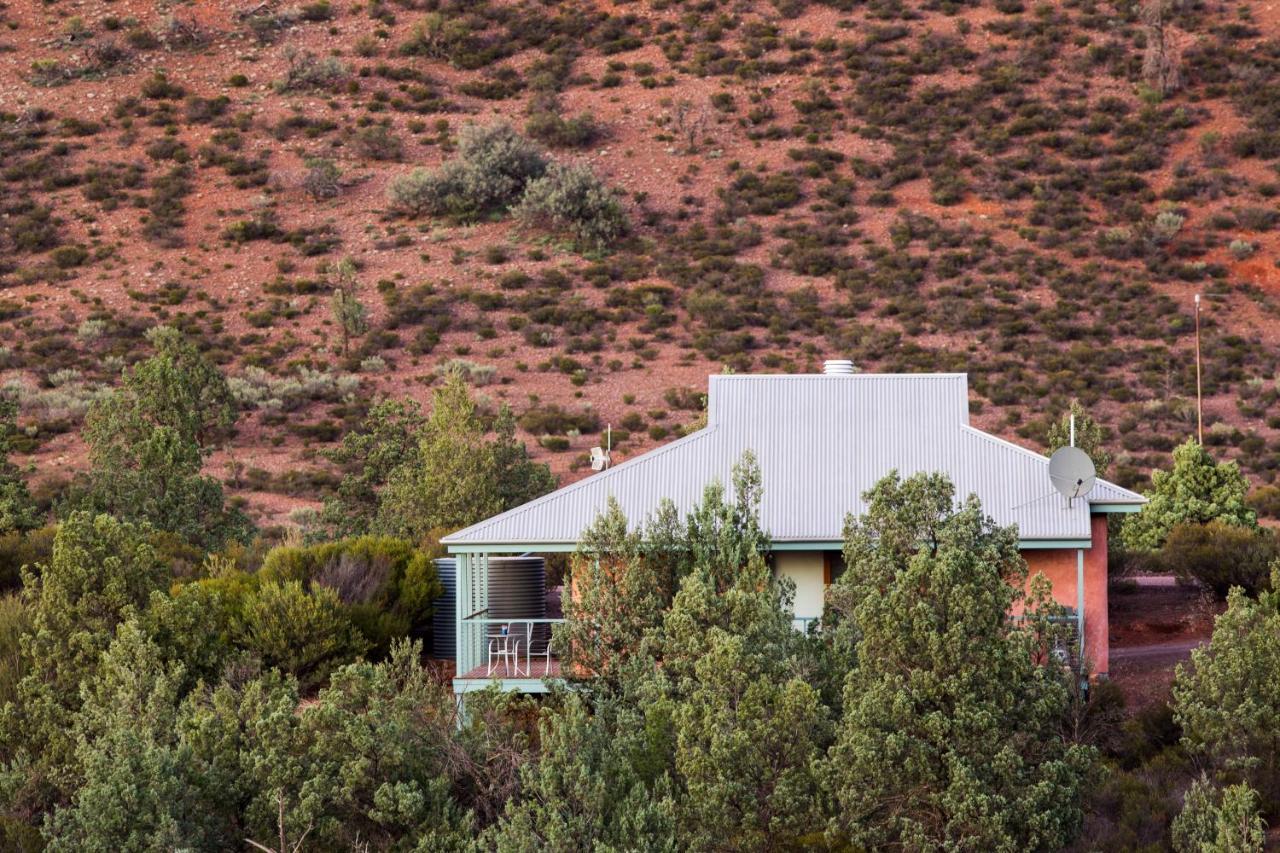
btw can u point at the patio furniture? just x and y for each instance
(505, 648)
(537, 637)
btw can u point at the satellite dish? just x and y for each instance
(1072, 473)
(599, 459)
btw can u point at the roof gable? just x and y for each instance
(821, 441)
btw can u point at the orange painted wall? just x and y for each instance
(1059, 566)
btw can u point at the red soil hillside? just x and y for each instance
(1028, 192)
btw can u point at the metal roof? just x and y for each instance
(821, 441)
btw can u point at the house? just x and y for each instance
(821, 441)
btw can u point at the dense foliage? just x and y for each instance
(1196, 490)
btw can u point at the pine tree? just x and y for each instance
(17, 510)
(148, 442)
(1088, 437)
(1196, 490)
(950, 729)
(1227, 698)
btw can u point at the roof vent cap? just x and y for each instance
(838, 367)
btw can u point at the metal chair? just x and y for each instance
(542, 650)
(506, 648)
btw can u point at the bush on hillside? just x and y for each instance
(489, 174)
(573, 199)
(1220, 556)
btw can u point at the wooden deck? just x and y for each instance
(539, 668)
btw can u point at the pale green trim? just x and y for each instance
(812, 545)
(1102, 508)
(815, 545)
(1048, 544)
(515, 548)
(507, 685)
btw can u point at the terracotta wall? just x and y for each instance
(1059, 566)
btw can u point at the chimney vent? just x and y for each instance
(838, 367)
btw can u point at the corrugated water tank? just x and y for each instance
(517, 590)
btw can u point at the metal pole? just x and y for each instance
(1199, 394)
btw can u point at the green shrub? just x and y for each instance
(385, 585)
(493, 166)
(1220, 556)
(307, 71)
(306, 634)
(15, 620)
(551, 128)
(23, 549)
(573, 199)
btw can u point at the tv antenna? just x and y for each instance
(600, 456)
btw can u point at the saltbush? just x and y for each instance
(573, 199)
(489, 174)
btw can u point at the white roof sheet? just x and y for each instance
(821, 441)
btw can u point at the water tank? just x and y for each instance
(444, 638)
(517, 590)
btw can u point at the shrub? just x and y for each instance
(1241, 249)
(1220, 556)
(15, 620)
(493, 166)
(322, 179)
(551, 128)
(23, 549)
(573, 199)
(386, 585)
(378, 142)
(307, 71)
(303, 633)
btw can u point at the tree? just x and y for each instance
(950, 733)
(1197, 490)
(705, 686)
(17, 510)
(148, 442)
(1089, 437)
(1224, 821)
(520, 479)
(349, 312)
(584, 792)
(140, 790)
(458, 475)
(364, 765)
(385, 441)
(622, 582)
(101, 573)
(1227, 698)
(303, 633)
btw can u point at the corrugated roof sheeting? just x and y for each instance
(821, 441)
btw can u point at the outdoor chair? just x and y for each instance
(506, 648)
(536, 646)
